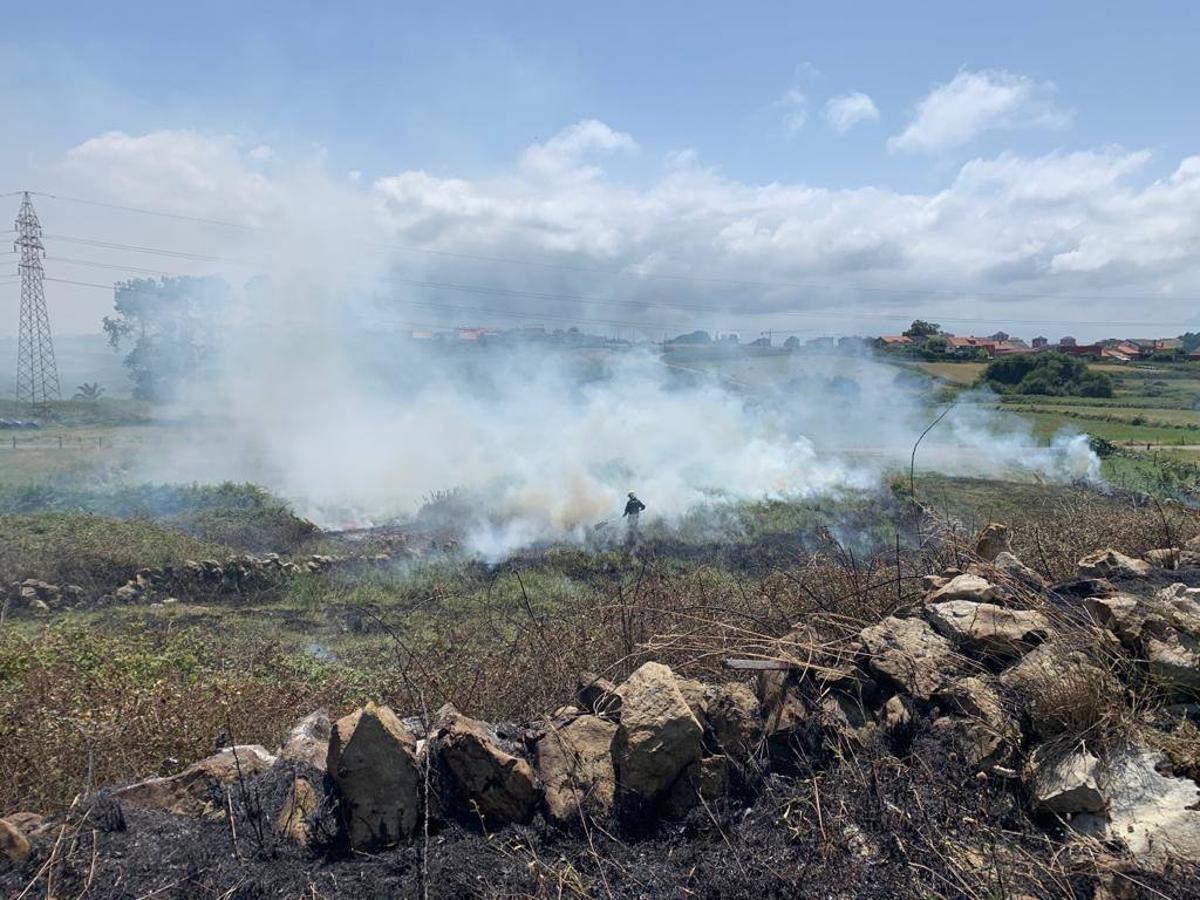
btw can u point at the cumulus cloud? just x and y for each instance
(209, 173)
(564, 151)
(784, 255)
(954, 113)
(845, 111)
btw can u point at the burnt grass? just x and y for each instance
(902, 817)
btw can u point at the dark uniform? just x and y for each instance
(633, 509)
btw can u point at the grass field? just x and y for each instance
(955, 372)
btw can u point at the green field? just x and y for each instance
(1153, 420)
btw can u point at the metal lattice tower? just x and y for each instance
(37, 372)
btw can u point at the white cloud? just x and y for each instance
(1084, 224)
(954, 113)
(195, 173)
(571, 145)
(847, 110)
(795, 111)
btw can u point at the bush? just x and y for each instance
(1046, 374)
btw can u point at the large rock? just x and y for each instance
(14, 845)
(989, 630)
(695, 694)
(966, 587)
(1165, 558)
(1009, 565)
(294, 819)
(575, 766)
(1065, 783)
(308, 741)
(1059, 687)
(659, 736)
(1164, 630)
(481, 777)
(1156, 816)
(195, 790)
(733, 715)
(1113, 564)
(702, 782)
(911, 654)
(783, 708)
(598, 696)
(979, 724)
(992, 541)
(1050, 661)
(373, 762)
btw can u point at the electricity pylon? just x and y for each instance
(37, 372)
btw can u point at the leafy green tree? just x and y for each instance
(922, 329)
(1051, 374)
(167, 323)
(937, 344)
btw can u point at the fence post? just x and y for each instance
(60, 442)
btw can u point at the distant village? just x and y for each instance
(929, 338)
(922, 338)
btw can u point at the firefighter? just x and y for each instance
(633, 509)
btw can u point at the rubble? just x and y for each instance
(196, 789)
(979, 724)
(1010, 566)
(575, 766)
(992, 541)
(1113, 564)
(1065, 783)
(308, 741)
(662, 747)
(965, 587)
(1164, 630)
(911, 654)
(658, 737)
(373, 763)
(987, 630)
(1155, 816)
(207, 578)
(481, 777)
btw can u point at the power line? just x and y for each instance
(624, 273)
(610, 301)
(102, 265)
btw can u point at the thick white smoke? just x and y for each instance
(358, 426)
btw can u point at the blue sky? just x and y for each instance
(459, 91)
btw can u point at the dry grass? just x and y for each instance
(83, 704)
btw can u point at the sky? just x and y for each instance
(631, 167)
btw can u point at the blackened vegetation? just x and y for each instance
(904, 818)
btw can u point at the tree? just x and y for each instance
(1046, 374)
(792, 343)
(168, 324)
(922, 329)
(937, 344)
(89, 391)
